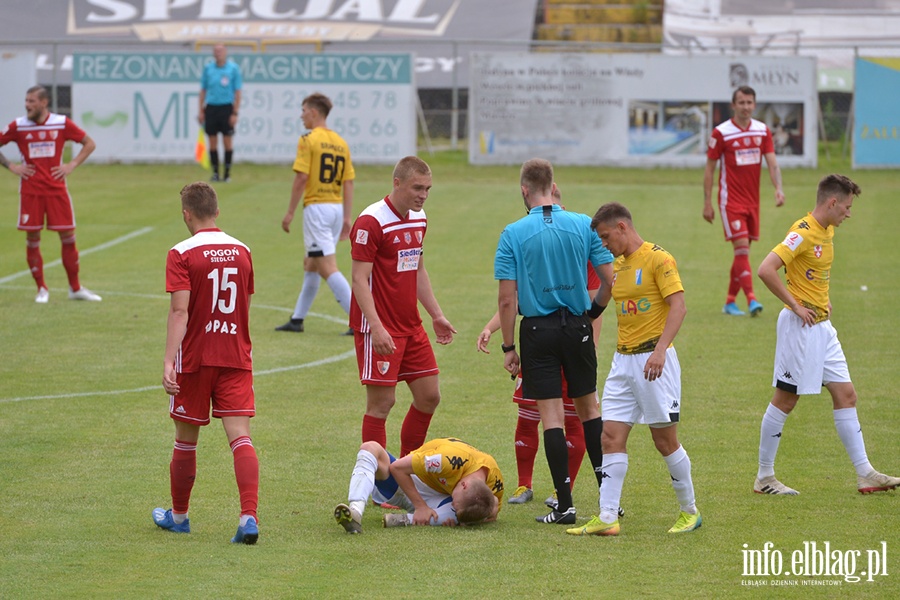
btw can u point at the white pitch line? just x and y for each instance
(315, 363)
(102, 246)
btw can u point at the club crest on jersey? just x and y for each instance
(362, 237)
(433, 463)
(443, 480)
(419, 236)
(746, 141)
(383, 366)
(54, 134)
(42, 135)
(407, 237)
(757, 140)
(818, 251)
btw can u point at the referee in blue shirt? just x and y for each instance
(541, 264)
(220, 99)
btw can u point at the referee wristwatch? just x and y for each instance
(506, 348)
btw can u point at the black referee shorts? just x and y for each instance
(553, 346)
(217, 118)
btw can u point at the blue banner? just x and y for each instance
(876, 120)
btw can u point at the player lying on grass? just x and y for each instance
(444, 482)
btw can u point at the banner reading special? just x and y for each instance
(631, 109)
(876, 124)
(143, 107)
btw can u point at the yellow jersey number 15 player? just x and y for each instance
(324, 180)
(808, 354)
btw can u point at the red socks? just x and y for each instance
(527, 443)
(35, 261)
(741, 275)
(414, 430)
(246, 472)
(70, 261)
(373, 430)
(182, 472)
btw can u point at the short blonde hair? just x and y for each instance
(409, 165)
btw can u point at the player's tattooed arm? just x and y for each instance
(22, 170)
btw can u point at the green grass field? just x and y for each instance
(86, 440)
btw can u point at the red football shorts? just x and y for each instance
(228, 391)
(740, 222)
(412, 359)
(56, 208)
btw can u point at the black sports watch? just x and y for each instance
(509, 348)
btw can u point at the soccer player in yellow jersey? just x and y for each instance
(444, 482)
(324, 181)
(644, 381)
(808, 354)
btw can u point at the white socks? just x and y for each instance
(769, 439)
(362, 482)
(341, 290)
(680, 470)
(308, 293)
(846, 422)
(614, 468)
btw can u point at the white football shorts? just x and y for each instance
(806, 358)
(322, 227)
(629, 398)
(437, 501)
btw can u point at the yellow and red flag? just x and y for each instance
(201, 153)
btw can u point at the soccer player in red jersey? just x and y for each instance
(388, 280)
(208, 356)
(41, 137)
(739, 145)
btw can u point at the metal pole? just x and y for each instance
(454, 103)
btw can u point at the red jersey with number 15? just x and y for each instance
(393, 244)
(42, 145)
(218, 271)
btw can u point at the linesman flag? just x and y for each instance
(201, 153)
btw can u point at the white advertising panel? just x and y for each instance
(143, 107)
(18, 74)
(631, 109)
